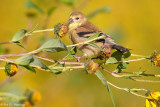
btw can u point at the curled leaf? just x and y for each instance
(19, 44)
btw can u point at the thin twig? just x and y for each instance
(16, 54)
(68, 67)
(130, 90)
(139, 55)
(8, 42)
(112, 73)
(60, 62)
(81, 43)
(45, 30)
(146, 81)
(39, 31)
(133, 60)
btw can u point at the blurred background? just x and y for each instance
(133, 24)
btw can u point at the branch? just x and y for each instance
(130, 90)
(133, 60)
(39, 31)
(85, 42)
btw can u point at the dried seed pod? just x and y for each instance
(92, 67)
(60, 29)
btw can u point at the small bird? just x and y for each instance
(80, 29)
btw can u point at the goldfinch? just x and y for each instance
(80, 29)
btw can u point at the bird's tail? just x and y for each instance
(120, 48)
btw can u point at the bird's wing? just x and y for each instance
(86, 30)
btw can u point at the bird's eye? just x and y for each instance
(77, 18)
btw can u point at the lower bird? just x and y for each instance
(80, 29)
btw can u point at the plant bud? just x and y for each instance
(11, 69)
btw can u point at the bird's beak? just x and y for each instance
(70, 21)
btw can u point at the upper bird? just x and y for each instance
(80, 29)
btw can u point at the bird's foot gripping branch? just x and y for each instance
(32, 61)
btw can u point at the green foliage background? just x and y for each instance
(133, 24)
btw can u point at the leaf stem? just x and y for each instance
(9, 96)
(2, 67)
(139, 56)
(68, 67)
(38, 31)
(139, 80)
(133, 60)
(130, 90)
(81, 43)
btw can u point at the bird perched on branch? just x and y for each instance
(80, 29)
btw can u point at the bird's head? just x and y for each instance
(76, 19)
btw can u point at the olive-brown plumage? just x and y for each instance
(80, 29)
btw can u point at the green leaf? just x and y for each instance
(51, 10)
(56, 71)
(30, 4)
(19, 35)
(122, 67)
(18, 43)
(118, 56)
(24, 60)
(28, 60)
(69, 2)
(71, 53)
(29, 68)
(94, 45)
(104, 82)
(111, 60)
(94, 36)
(37, 62)
(53, 45)
(105, 9)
